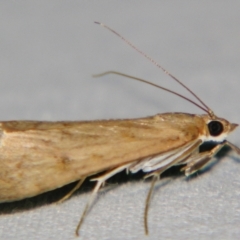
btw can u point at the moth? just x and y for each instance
(36, 157)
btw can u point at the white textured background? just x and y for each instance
(48, 52)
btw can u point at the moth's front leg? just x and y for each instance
(200, 160)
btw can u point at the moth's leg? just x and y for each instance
(68, 195)
(235, 148)
(100, 181)
(154, 179)
(156, 174)
(201, 160)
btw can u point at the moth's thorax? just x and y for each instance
(201, 125)
(186, 126)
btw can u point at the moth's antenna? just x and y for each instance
(153, 84)
(210, 112)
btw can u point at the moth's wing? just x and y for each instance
(40, 156)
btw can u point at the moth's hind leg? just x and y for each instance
(200, 160)
(68, 195)
(155, 177)
(100, 181)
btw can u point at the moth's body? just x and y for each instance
(36, 157)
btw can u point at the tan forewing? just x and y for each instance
(40, 156)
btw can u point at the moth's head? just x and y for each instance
(218, 128)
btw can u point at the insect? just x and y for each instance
(37, 157)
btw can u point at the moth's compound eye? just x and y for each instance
(215, 128)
